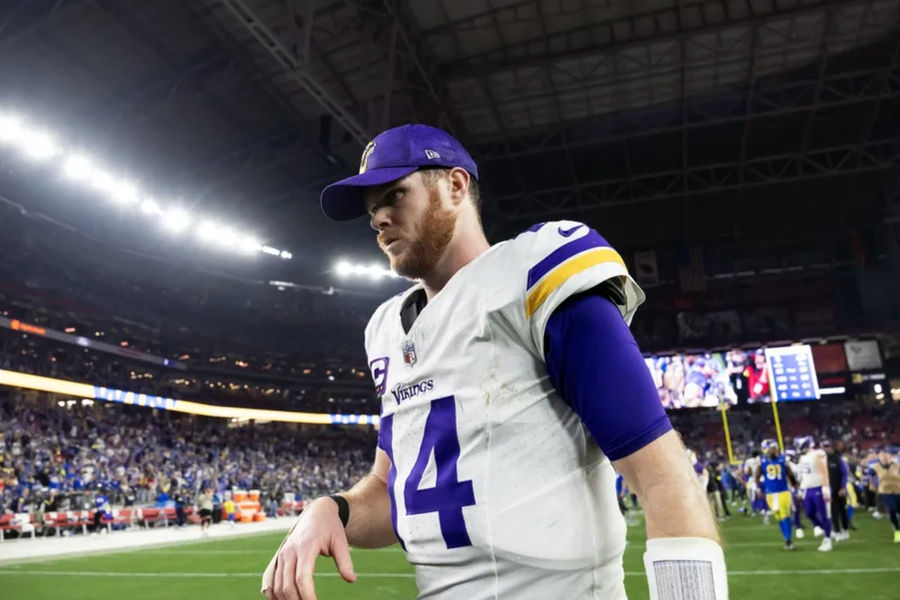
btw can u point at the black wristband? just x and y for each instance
(343, 508)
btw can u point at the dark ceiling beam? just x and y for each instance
(334, 158)
(196, 75)
(792, 98)
(425, 65)
(167, 58)
(582, 78)
(305, 48)
(199, 85)
(557, 103)
(821, 70)
(748, 104)
(286, 63)
(892, 52)
(449, 26)
(482, 64)
(32, 16)
(768, 101)
(820, 163)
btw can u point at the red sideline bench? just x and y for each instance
(82, 519)
(290, 508)
(10, 523)
(164, 516)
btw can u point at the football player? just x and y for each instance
(816, 488)
(887, 471)
(796, 497)
(838, 474)
(751, 469)
(510, 386)
(776, 475)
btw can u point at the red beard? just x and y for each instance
(423, 253)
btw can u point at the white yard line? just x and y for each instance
(178, 575)
(52, 548)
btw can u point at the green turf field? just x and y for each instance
(867, 566)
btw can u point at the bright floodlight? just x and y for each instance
(124, 191)
(207, 231)
(373, 271)
(226, 237)
(249, 244)
(38, 145)
(150, 207)
(77, 167)
(176, 220)
(102, 181)
(10, 129)
(343, 268)
(376, 272)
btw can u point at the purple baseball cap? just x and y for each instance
(392, 155)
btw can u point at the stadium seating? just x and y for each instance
(134, 458)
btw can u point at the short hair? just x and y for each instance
(433, 174)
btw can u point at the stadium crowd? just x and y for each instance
(345, 389)
(61, 457)
(136, 456)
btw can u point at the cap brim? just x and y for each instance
(343, 200)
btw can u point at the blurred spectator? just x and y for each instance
(131, 454)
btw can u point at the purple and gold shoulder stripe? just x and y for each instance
(585, 251)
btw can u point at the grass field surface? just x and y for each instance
(866, 566)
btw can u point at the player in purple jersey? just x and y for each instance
(817, 489)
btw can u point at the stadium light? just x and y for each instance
(34, 143)
(827, 391)
(226, 237)
(101, 180)
(250, 244)
(39, 145)
(10, 129)
(374, 271)
(176, 220)
(150, 207)
(343, 268)
(78, 167)
(207, 231)
(123, 191)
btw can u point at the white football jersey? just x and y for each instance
(497, 489)
(751, 464)
(810, 475)
(750, 467)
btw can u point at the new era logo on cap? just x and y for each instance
(392, 155)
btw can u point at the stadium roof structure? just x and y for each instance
(659, 121)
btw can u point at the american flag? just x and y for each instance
(691, 275)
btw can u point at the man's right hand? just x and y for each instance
(319, 531)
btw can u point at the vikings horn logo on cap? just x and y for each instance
(364, 161)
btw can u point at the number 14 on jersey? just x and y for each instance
(449, 495)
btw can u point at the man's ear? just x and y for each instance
(459, 185)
